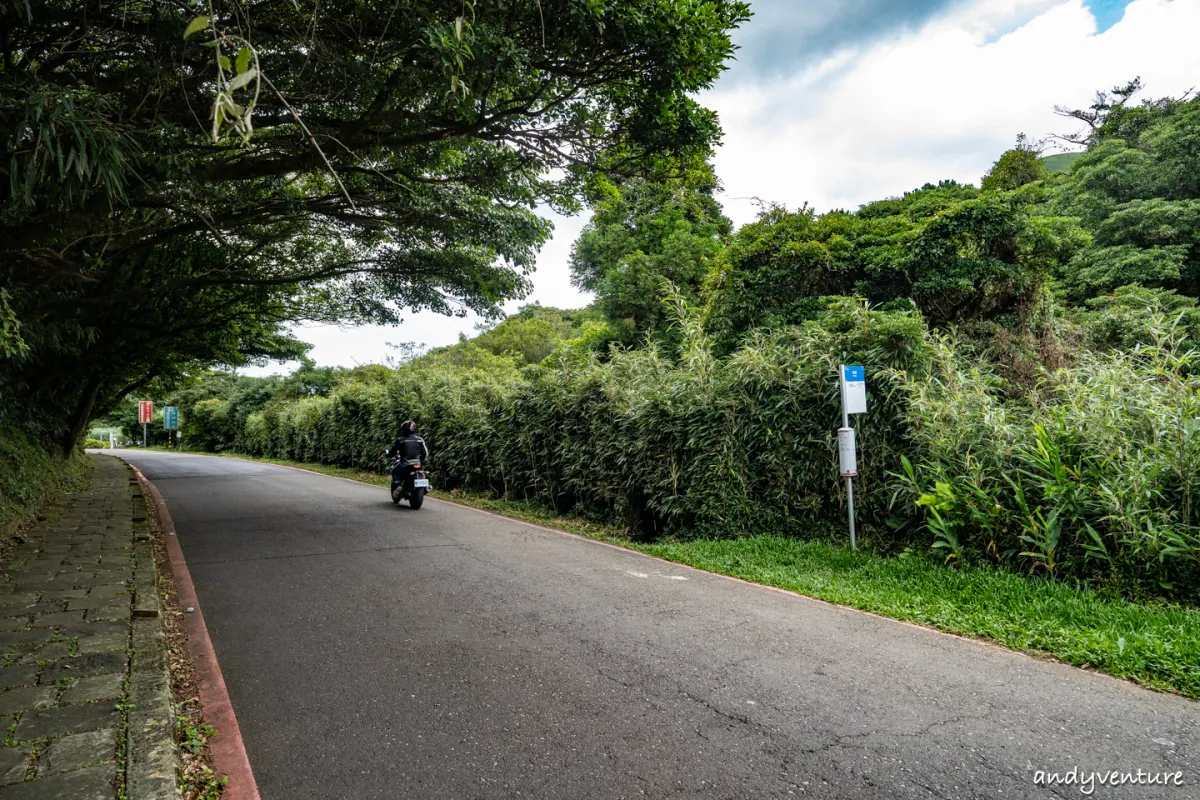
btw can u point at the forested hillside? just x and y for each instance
(1028, 346)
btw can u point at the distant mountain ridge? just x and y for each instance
(1060, 162)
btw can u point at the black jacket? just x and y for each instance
(410, 448)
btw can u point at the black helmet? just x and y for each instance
(408, 427)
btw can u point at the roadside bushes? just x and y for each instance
(1133, 315)
(1092, 473)
(686, 442)
(1095, 476)
(451, 395)
(209, 425)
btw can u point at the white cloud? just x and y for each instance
(941, 102)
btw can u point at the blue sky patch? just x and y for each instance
(1106, 12)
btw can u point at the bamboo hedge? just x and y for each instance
(1093, 475)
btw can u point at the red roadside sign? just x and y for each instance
(145, 411)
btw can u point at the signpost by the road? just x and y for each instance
(145, 414)
(170, 421)
(854, 401)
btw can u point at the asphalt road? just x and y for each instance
(371, 651)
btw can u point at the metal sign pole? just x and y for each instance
(849, 486)
(853, 384)
(143, 434)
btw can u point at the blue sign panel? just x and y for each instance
(170, 418)
(854, 374)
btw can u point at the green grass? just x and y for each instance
(1155, 645)
(32, 473)
(1060, 162)
(1158, 646)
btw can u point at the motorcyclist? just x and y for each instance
(408, 447)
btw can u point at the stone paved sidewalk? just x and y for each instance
(84, 693)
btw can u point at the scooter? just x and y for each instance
(409, 482)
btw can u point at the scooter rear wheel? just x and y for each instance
(417, 497)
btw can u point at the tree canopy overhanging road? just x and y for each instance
(372, 651)
(378, 157)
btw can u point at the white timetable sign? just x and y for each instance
(854, 390)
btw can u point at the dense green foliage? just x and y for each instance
(363, 158)
(954, 253)
(1095, 474)
(30, 476)
(534, 332)
(644, 237)
(1028, 348)
(1019, 166)
(1137, 192)
(665, 440)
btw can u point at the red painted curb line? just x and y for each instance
(228, 749)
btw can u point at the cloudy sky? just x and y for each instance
(840, 102)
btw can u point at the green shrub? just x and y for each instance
(209, 425)
(1091, 473)
(1133, 315)
(684, 442)
(1095, 477)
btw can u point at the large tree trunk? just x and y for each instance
(81, 416)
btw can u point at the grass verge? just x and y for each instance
(1155, 645)
(32, 474)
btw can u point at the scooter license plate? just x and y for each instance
(421, 483)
